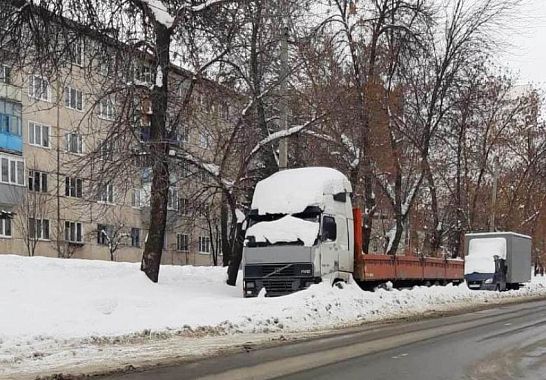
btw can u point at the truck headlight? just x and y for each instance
(489, 281)
(249, 285)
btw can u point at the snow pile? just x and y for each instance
(160, 12)
(291, 191)
(58, 311)
(285, 230)
(481, 252)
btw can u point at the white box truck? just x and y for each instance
(497, 260)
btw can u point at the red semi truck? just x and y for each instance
(303, 229)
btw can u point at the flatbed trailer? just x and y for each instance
(374, 269)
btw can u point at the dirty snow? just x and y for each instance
(285, 230)
(291, 191)
(481, 254)
(78, 314)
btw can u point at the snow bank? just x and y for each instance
(481, 252)
(57, 311)
(286, 230)
(291, 191)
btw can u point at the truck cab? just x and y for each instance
(300, 232)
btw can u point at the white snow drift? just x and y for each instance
(54, 311)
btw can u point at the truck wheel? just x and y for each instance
(498, 288)
(339, 283)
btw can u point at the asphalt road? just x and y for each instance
(505, 342)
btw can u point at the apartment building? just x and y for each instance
(55, 138)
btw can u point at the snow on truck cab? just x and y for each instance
(300, 231)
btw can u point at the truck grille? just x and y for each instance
(278, 270)
(279, 287)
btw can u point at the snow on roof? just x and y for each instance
(481, 254)
(488, 234)
(285, 230)
(291, 191)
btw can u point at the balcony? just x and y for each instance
(10, 92)
(11, 143)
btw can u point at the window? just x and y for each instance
(104, 233)
(73, 232)
(106, 150)
(135, 237)
(172, 199)
(38, 134)
(204, 244)
(182, 242)
(74, 143)
(76, 51)
(37, 181)
(73, 187)
(184, 206)
(39, 88)
(5, 227)
(329, 229)
(5, 74)
(73, 98)
(12, 170)
(106, 109)
(135, 198)
(144, 74)
(10, 118)
(38, 229)
(106, 193)
(105, 67)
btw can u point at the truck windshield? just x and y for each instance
(294, 234)
(311, 214)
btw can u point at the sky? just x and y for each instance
(525, 52)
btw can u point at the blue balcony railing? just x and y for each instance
(11, 142)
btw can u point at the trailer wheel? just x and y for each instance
(338, 283)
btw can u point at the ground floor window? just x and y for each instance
(135, 237)
(5, 227)
(204, 244)
(38, 228)
(182, 242)
(73, 232)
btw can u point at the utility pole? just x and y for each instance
(283, 143)
(494, 195)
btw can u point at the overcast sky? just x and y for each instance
(527, 53)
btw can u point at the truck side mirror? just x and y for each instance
(329, 229)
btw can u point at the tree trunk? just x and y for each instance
(153, 248)
(236, 255)
(267, 156)
(226, 247)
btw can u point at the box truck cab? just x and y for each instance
(300, 231)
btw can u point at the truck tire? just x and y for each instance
(338, 283)
(498, 288)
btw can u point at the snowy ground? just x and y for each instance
(75, 315)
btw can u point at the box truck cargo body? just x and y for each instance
(497, 260)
